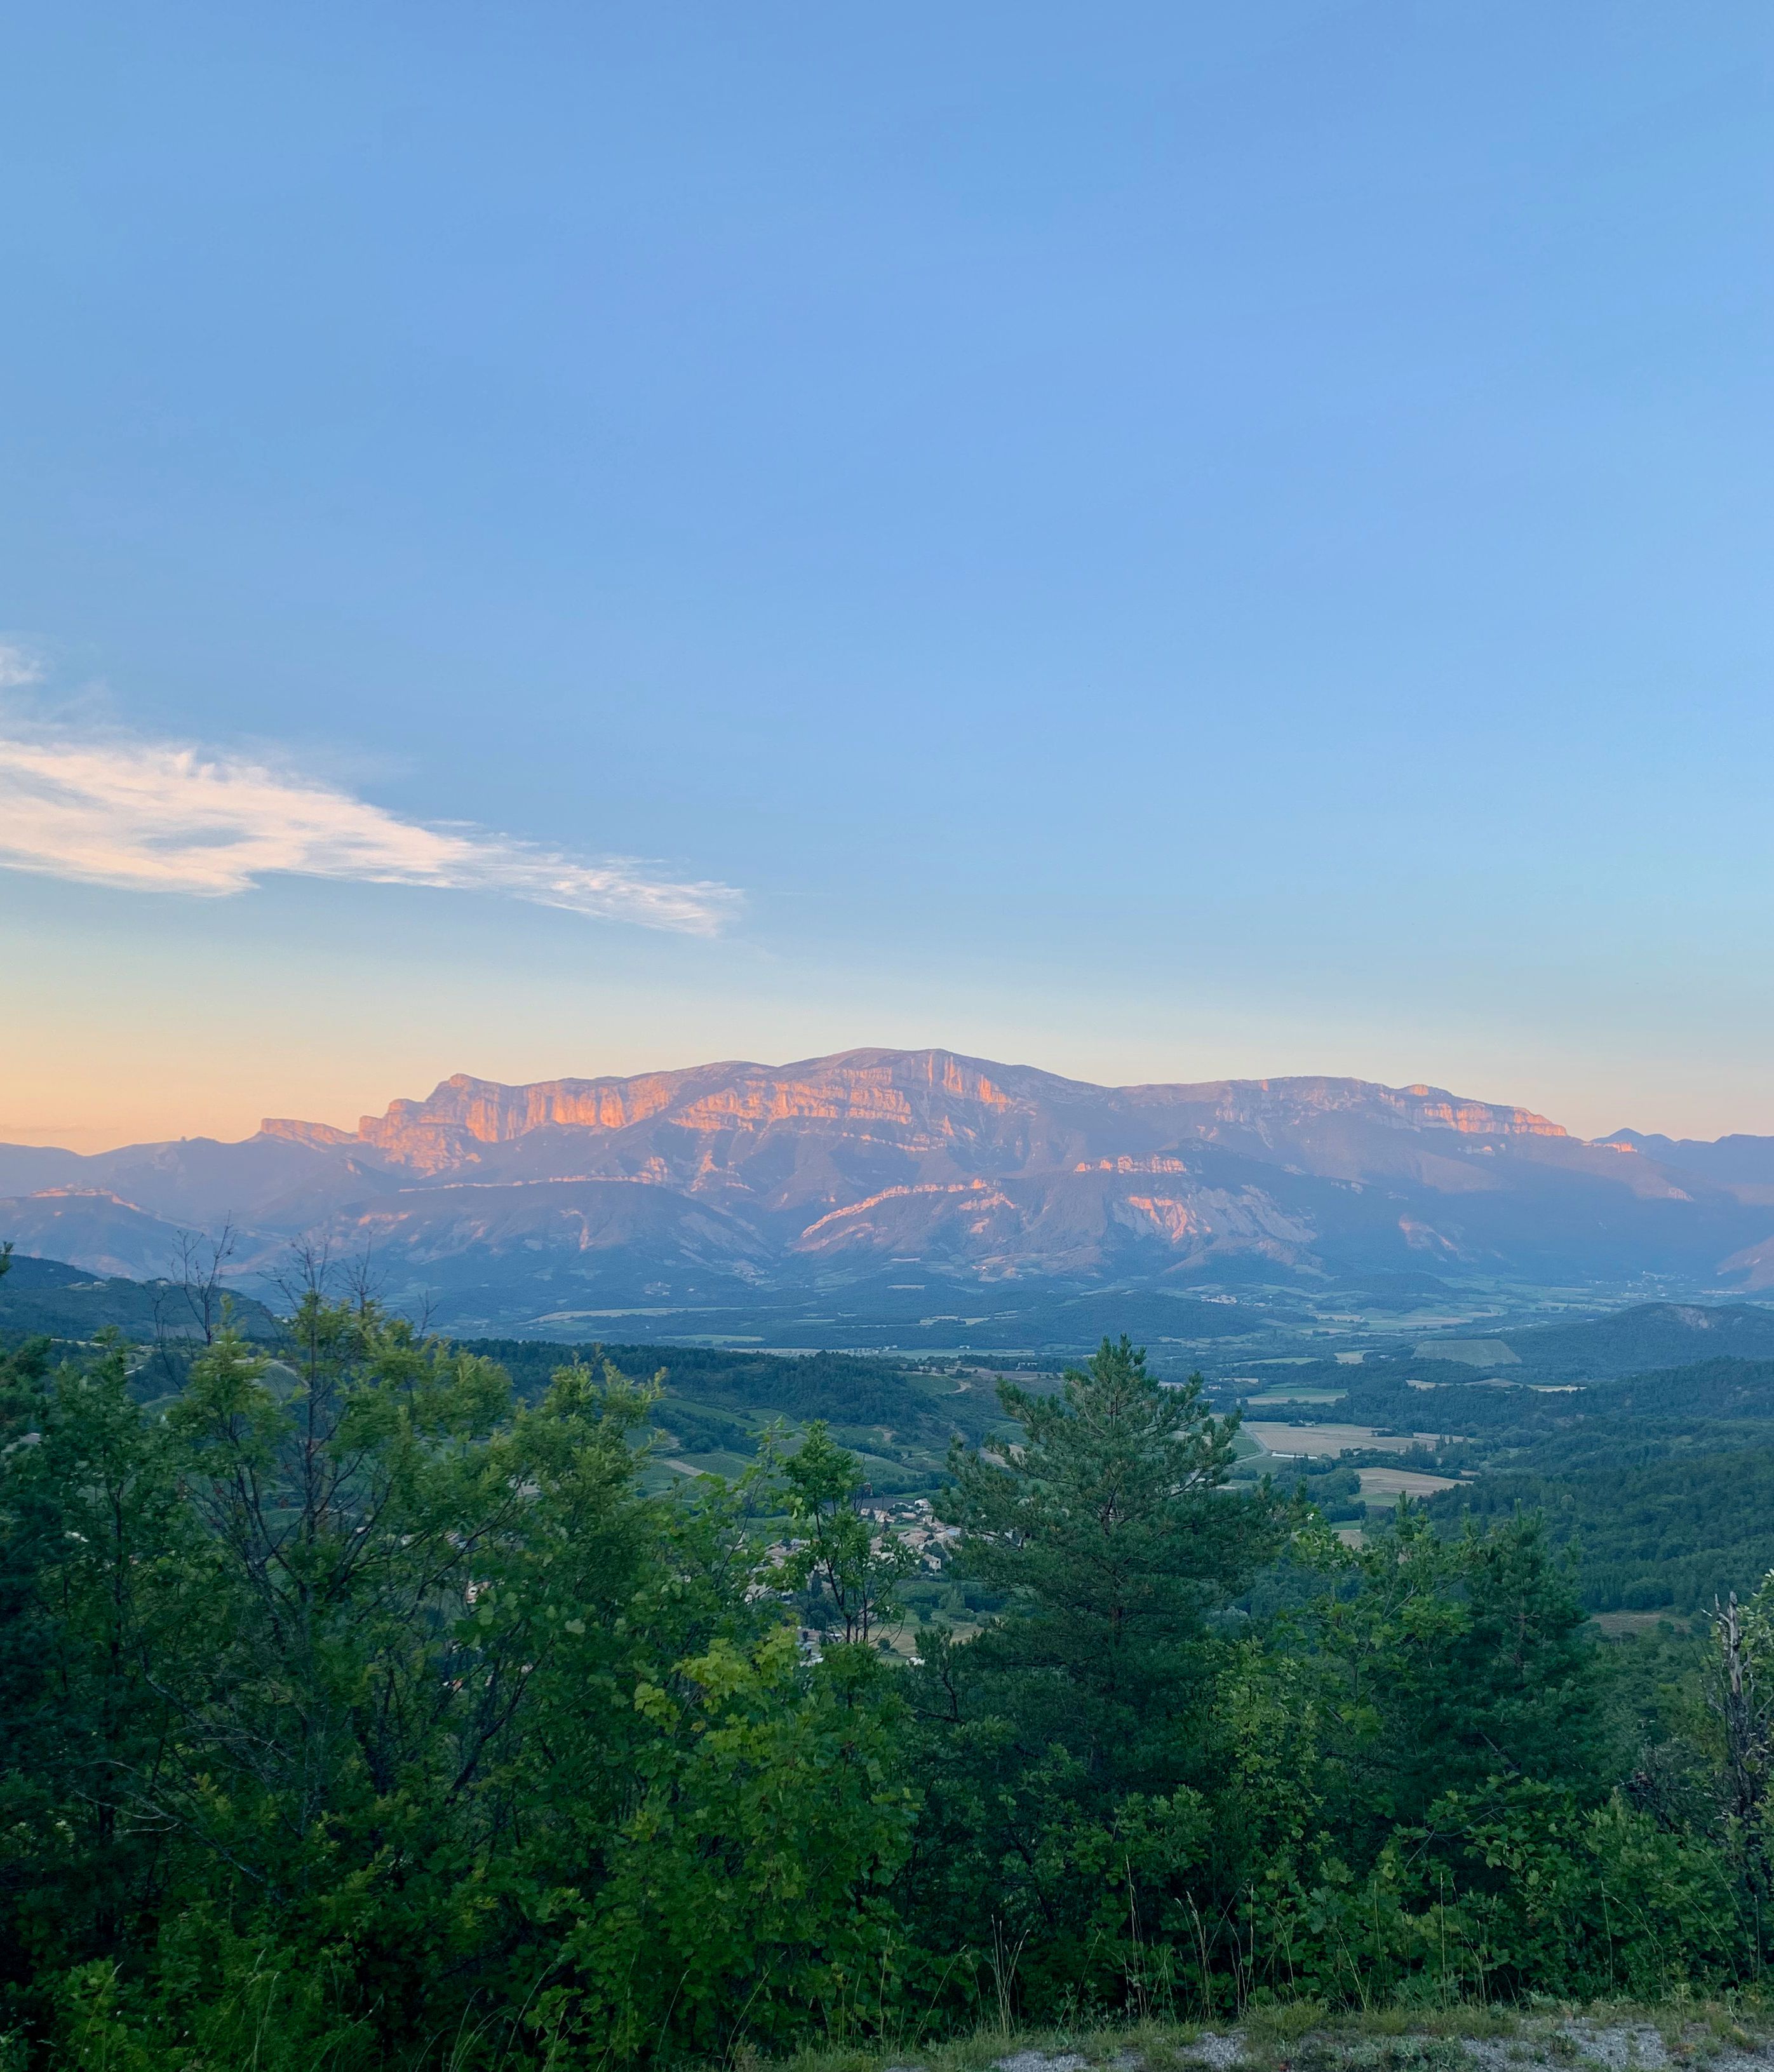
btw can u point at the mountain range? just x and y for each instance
(919, 1188)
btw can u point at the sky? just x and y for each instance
(1159, 541)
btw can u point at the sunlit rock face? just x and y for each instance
(1009, 1170)
(914, 1101)
(919, 1104)
(837, 1165)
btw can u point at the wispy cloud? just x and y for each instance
(17, 666)
(148, 816)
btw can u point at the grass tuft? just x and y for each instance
(1542, 2035)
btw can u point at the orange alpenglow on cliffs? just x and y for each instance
(728, 1181)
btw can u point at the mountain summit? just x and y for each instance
(921, 1101)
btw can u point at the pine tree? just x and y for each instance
(1068, 1751)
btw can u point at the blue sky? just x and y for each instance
(1156, 541)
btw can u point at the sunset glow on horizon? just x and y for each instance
(1189, 546)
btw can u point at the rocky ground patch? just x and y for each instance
(1305, 2038)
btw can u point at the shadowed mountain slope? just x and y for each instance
(49, 1298)
(1727, 1162)
(1652, 1334)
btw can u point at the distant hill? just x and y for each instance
(842, 1387)
(22, 1272)
(717, 1404)
(49, 1298)
(1725, 1160)
(1524, 1405)
(904, 1200)
(1654, 1334)
(97, 1231)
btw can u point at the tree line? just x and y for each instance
(354, 1713)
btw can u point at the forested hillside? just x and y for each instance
(1658, 1483)
(44, 1297)
(1676, 1530)
(1650, 1335)
(716, 1408)
(1497, 1408)
(357, 1700)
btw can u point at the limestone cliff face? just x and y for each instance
(912, 1097)
(1297, 1102)
(838, 1166)
(920, 1102)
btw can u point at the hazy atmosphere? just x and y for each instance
(1160, 544)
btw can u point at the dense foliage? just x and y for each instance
(1525, 1408)
(1672, 1528)
(356, 1711)
(843, 1388)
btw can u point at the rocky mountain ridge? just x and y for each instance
(725, 1181)
(932, 1096)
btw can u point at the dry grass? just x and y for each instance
(1305, 2036)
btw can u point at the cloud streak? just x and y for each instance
(155, 816)
(17, 667)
